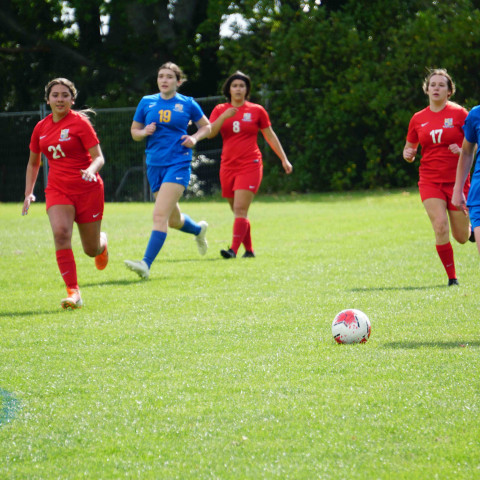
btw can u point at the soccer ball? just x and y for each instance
(351, 326)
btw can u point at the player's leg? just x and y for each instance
(166, 199)
(240, 206)
(61, 220)
(184, 223)
(436, 209)
(251, 182)
(474, 214)
(89, 214)
(460, 225)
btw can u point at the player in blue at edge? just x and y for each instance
(163, 119)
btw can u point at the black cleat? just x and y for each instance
(228, 253)
(452, 281)
(471, 238)
(248, 254)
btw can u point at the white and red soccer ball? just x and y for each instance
(351, 326)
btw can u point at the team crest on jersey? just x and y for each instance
(64, 135)
(448, 123)
(247, 117)
(178, 107)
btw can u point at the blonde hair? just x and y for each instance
(175, 69)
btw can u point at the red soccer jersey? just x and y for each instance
(435, 131)
(65, 144)
(239, 134)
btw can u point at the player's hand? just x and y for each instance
(189, 141)
(26, 203)
(88, 176)
(454, 148)
(409, 154)
(288, 167)
(459, 201)
(150, 129)
(229, 112)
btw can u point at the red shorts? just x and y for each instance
(88, 206)
(232, 180)
(444, 191)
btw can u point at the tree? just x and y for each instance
(111, 50)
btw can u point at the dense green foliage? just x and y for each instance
(340, 78)
(216, 369)
(350, 80)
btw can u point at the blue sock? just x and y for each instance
(155, 244)
(190, 226)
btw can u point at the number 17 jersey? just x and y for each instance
(435, 131)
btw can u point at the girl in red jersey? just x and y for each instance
(75, 189)
(438, 129)
(239, 122)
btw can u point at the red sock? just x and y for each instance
(247, 239)
(240, 227)
(67, 267)
(445, 252)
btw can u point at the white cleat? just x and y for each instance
(202, 244)
(139, 267)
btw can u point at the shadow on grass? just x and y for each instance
(30, 312)
(414, 344)
(388, 289)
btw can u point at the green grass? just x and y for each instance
(216, 369)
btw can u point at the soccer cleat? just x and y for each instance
(202, 244)
(472, 235)
(452, 281)
(73, 301)
(228, 253)
(101, 260)
(248, 254)
(139, 267)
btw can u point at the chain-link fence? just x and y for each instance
(124, 173)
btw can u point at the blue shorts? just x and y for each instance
(474, 214)
(172, 174)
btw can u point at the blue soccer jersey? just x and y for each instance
(471, 129)
(172, 117)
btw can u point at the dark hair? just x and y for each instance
(175, 69)
(60, 81)
(439, 71)
(238, 75)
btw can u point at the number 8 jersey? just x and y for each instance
(239, 134)
(435, 131)
(66, 144)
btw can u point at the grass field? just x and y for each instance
(216, 369)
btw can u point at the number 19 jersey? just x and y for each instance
(435, 131)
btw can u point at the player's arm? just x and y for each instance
(204, 129)
(139, 131)
(31, 177)
(409, 151)
(98, 161)
(272, 139)
(217, 124)
(463, 169)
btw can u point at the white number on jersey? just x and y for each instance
(57, 151)
(436, 135)
(236, 126)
